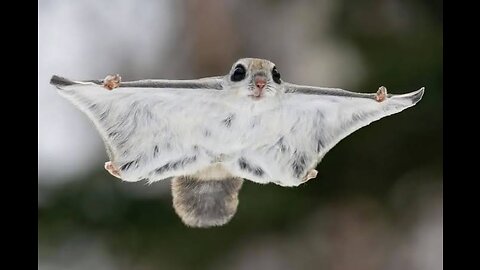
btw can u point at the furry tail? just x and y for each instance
(201, 203)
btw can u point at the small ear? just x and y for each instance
(203, 204)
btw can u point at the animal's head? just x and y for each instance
(255, 78)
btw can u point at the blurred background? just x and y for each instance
(377, 202)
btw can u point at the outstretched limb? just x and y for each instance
(381, 94)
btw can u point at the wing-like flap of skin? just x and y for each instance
(154, 134)
(354, 113)
(140, 139)
(308, 126)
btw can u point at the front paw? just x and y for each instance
(112, 81)
(381, 94)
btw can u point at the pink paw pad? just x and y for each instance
(381, 94)
(112, 81)
(112, 169)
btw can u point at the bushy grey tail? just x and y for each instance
(201, 203)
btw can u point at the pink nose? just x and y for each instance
(260, 82)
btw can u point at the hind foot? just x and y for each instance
(112, 169)
(310, 175)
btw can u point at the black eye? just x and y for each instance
(238, 74)
(276, 75)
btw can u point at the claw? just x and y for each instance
(112, 81)
(381, 94)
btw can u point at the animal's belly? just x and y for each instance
(215, 171)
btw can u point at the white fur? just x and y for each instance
(188, 126)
